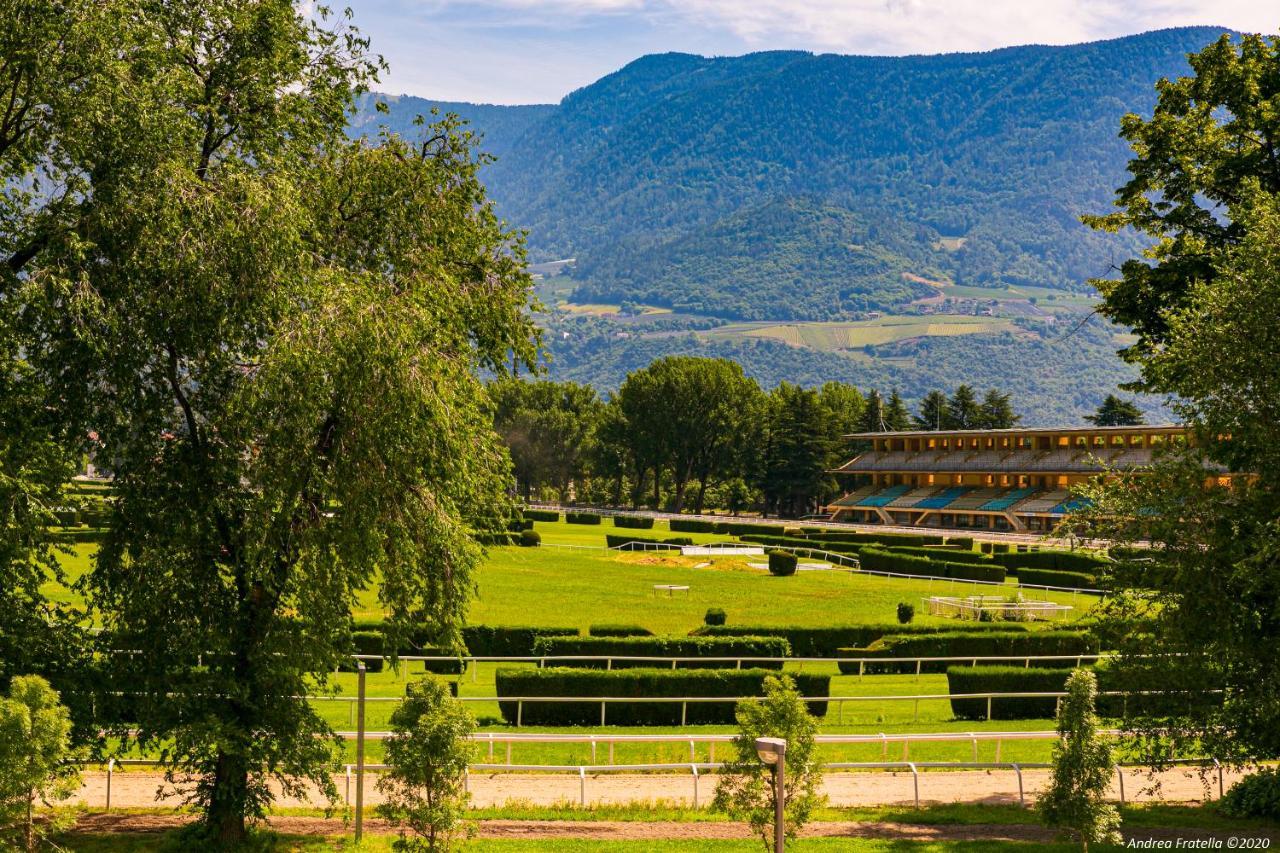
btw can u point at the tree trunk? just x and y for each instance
(228, 801)
(702, 495)
(657, 488)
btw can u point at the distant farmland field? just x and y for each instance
(835, 336)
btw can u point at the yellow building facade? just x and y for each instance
(1020, 479)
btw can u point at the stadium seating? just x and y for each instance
(1045, 502)
(975, 499)
(941, 501)
(884, 497)
(1007, 499)
(914, 497)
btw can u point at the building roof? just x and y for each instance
(1160, 429)
(1058, 461)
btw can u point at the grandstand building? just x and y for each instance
(1019, 479)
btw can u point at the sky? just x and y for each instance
(537, 51)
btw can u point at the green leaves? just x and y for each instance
(35, 743)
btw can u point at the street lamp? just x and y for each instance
(773, 751)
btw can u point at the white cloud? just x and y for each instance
(908, 26)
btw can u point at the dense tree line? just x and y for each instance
(691, 433)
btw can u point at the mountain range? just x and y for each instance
(787, 188)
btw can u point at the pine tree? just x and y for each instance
(963, 411)
(873, 414)
(896, 416)
(933, 411)
(1116, 412)
(996, 412)
(1082, 768)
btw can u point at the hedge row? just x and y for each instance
(885, 538)
(1046, 577)
(688, 646)
(875, 560)
(618, 631)
(78, 534)
(797, 542)
(633, 522)
(1060, 561)
(639, 683)
(541, 515)
(582, 517)
(694, 525)
(964, 644)
(1005, 679)
(826, 641)
(616, 540)
(480, 640)
(942, 553)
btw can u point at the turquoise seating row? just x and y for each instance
(940, 501)
(1007, 500)
(884, 497)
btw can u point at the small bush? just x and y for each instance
(633, 522)
(714, 616)
(556, 681)
(906, 613)
(582, 517)
(618, 631)
(1255, 796)
(541, 515)
(782, 563)
(530, 539)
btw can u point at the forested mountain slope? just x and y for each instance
(791, 186)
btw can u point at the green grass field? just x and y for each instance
(585, 584)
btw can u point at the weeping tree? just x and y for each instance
(276, 334)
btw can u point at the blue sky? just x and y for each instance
(537, 51)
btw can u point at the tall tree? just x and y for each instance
(845, 406)
(873, 413)
(963, 411)
(277, 334)
(896, 416)
(549, 429)
(1116, 412)
(933, 411)
(1210, 148)
(1199, 610)
(793, 468)
(996, 412)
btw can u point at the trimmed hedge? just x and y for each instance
(878, 538)
(694, 525)
(826, 641)
(616, 540)
(942, 554)
(796, 542)
(1005, 679)
(875, 560)
(582, 517)
(558, 681)
(714, 616)
(633, 522)
(965, 542)
(541, 514)
(963, 644)
(782, 564)
(618, 631)
(741, 528)
(1047, 577)
(678, 646)
(489, 539)
(78, 534)
(1058, 561)
(530, 538)
(507, 640)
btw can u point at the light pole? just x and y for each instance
(773, 751)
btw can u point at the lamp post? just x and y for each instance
(773, 751)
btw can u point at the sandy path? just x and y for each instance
(139, 789)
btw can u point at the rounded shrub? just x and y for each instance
(782, 563)
(1256, 795)
(906, 612)
(714, 616)
(530, 539)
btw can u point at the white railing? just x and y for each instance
(697, 769)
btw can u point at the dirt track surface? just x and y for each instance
(139, 789)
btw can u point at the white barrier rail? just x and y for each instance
(697, 769)
(685, 701)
